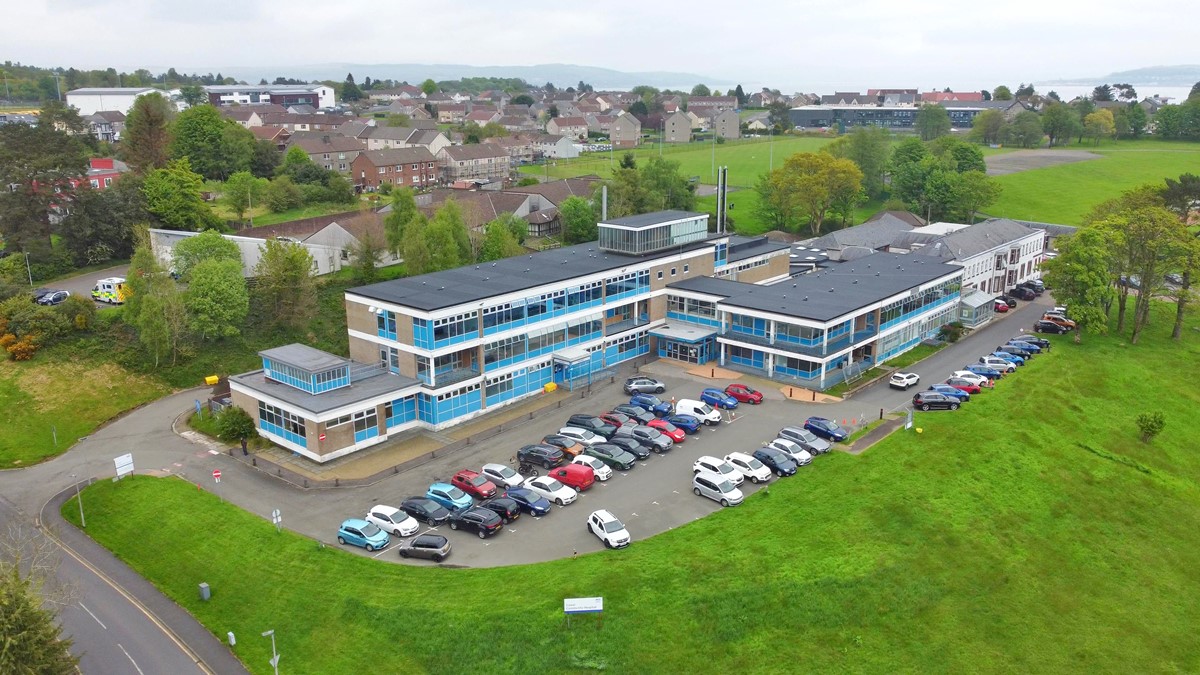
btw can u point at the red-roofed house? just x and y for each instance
(103, 171)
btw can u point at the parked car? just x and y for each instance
(1065, 323)
(1000, 306)
(593, 424)
(647, 436)
(481, 521)
(640, 414)
(980, 369)
(618, 419)
(392, 520)
(601, 470)
(698, 409)
(574, 475)
(551, 489)
(779, 464)
(749, 467)
(361, 533)
(506, 507)
(805, 439)
(53, 297)
(449, 496)
(532, 502)
(744, 393)
(610, 530)
(1010, 357)
(1023, 293)
(669, 430)
(1017, 350)
(903, 380)
(718, 466)
(717, 488)
(634, 446)
(1049, 327)
(425, 510)
(826, 428)
(970, 376)
(433, 547)
(798, 454)
(932, 400)
(948, 390)
(1009, 300)
(544, 455)
(963, 384)
(998, 364)
(474, 483)
(688, 423)
(569, 446)
(611, 455)
(1033, 340)
(502, 475)
(644, 385)
(651, 403)
(717, 398)
(581, 436)
(1023, 346)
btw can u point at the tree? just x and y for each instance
(1150, 425)
(1125, 92)
(242, 190)
(701, 90)
(987, 95)
(216, 299)
(639, 109)
(234, 424)
(215, 146)
(162, 321)
(429, 87)
(522, 99)
(1102, 92)
(264, 159)
(933, 121)
(1151, 242)
(417, 257)
(39, 162)
(976, 191)
(1059, 122)
(366, 253)
(1024, 90)
(868, 148)
(404, 209)
(741, 96)
(1025, 130)
(959, 154)
(579, 222)
(1194, 94)
(147, 137)
(1099, 125)
(209, 245)
(988, 127)
(173, 196)
(778, 116)
(809, 184)
(1002, 93)
(350, 90)
(100, 225)
(448, 225)
(282, 195)
(1082, 107)
(1081, 279)
(30, 636)
(1137, 120)
(192, 95)
(517, 226)
(498, 242)
(285, 290)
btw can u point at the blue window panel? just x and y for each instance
(425, 408)
(403, 410)
(422, 333)
(386, 325)
(754, 360)
(283, 433)
(692, 318)
(360, 436)
(748, 325)
(720, 256)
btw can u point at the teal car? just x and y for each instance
(449, 496)
(362, 533)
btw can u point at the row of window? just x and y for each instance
(313, 383)
(281, 423)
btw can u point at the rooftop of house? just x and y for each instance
(366, 381)
(873, 234)
(319, 143)
(474, 151)
(395, 156)
(975, 239)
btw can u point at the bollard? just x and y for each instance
(713, 373)
(881, 413)
(791, 392)
(814, 396)
(253, 461)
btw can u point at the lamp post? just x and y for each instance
(79, 499)
(274, 654)
(28, 270)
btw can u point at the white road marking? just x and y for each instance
(93, 616)
(381, 552)
(635, 515)
(675, 491)
(135, 665)
(654, 503)
(213, 452)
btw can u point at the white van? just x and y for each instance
(698, 409)
(717, 488)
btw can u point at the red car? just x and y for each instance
(667, 429)
(964, 385)
(474, 484)
(618, 419)
(577, 476)
(1001, 306)
(744, 394)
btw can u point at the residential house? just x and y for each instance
(403, 92)
(677, 128)
(599, 124)
(571, 127)
(891, 97)
(520, 150)
(759, 121)
(479, 162)
(403, 167)
(726, 124)
(625, 131)
(382, 138)
(329, 150)
(278, 136)
(451, 113)
(357, 129)
(479, 207)
(104, 171)
(482, 117)
(319, 96)
(107, 125)
(519, 110)
(951, 96)
(293, 122)
(704, 106)
(517, 123)
(553, 146)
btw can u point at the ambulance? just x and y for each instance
(112, 290)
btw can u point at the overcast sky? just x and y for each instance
(795, 46)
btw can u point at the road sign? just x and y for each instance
(217, 475)
(124, 464)
(583, 605)
(321, 437)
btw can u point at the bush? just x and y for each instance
(23, 349)
(1150, 425)
(283, 195)
(79, 311)
(951, 332)
(234, 424)
(25, 318)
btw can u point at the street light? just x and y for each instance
(274, 655)
(28, 270)
(79, 499)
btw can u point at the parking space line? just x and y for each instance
(381, 552)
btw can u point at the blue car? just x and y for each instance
(950, 391)
(1027, 346)
(980, 369)
(449, 496)
(1011, 358)
(651, 403)
(827, 429)
(717, 398)
(689, 423)
(529, 500)
(362, 533)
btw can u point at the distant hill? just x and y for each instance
(1167, 76)
(561, 74)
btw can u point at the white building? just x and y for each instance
(996, 254)
(317, 95)
(91, 100)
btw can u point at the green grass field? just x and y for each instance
(1030, 531)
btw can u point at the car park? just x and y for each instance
(569, 446)
(651, 403)
(963, 384)
(996, 363)
(358, 532)
(611, 455)
(425, 510)
(601, 470)
(688, 423)
(502, 475)
(744, 393)
(593, 424)
(986, 371)
(644, 385)
(932, 400)
(609, 529)
(481, 521)
(749, 467)
(433, 547)
(948, 390)
(1061, 321)
(392, 520)
(718, 466)
(903, 380)
(640, 414)
(545, 456)
(717, 488)
(53, 297)
(826, 428)
(798, 454)
(779, 463)
(532, 502)
(474, 484)
(449, 496)
(805, 439)
(506, 507)
(551, 489)
(717, 398)
(971, 376)
(1044, 326)
(698, 409)
(574, 476)
(1000, 306)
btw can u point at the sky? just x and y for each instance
(790, 45)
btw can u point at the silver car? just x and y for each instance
(644, 385)
(805, 439)
(648, 436)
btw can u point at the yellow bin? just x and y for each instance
(212, 379)
(550, 386)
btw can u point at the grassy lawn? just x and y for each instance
(1057, 544)
(262, 216)
(1065, 193)
(918, 353)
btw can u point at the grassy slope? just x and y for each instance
(1030, 531)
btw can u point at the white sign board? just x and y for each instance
(908, 421)
(583, 605)
(124, 464)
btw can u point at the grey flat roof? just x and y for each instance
(651, 219)
(359, 390)
(302, 356)
(741, 247)
(830, 293)
(683, 331)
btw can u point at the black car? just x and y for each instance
(52, 297)
(1026, 337)
(932, 400)
(776, 461)
(506, 507)
(547, 456)
(529, 500)
(631, 445)
(1009, 300)
(1023, 293)
(1035, 286)
(1016, 349)
(639, 414)
(484, 522)
(612, 455)
(593, 424)
(433, 547)
(425, 510)
(1049, 327)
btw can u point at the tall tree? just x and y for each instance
(868, 148)
(147, 138)
(366, 255)
(988, 127)
(1137, 120)
(1025, 130)
(101, 224)
(38, 162)
(31, 640)
(350, 90)
(404, 209)
(193, 95)
(701, 90)
(741, 96)
(1098, 125)
(190, 252)
(215, 146)
(1081, 277)
(242, 191)
(417, 256)
(448, 225)
(959, 154)
(264, 159)
(1002, 93)
(285, 290)
(498, 242)
(579, 223)
(429, 87)
(173, 196)
(933, 121)
(812, 182)
(1102, 92)
(216, 299)
(1059, 122)
(976, 191)
(162, 321)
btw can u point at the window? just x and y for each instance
(660, 274)
(344, 419)
(382, 170)
(281, 423)
(325, 156)
(95, 183)
(672, 271)
(685, 268)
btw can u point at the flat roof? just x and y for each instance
(830, 293)
(645, 220)
(361, 389)
(684, 332)
(741, 247)
(302, 356)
